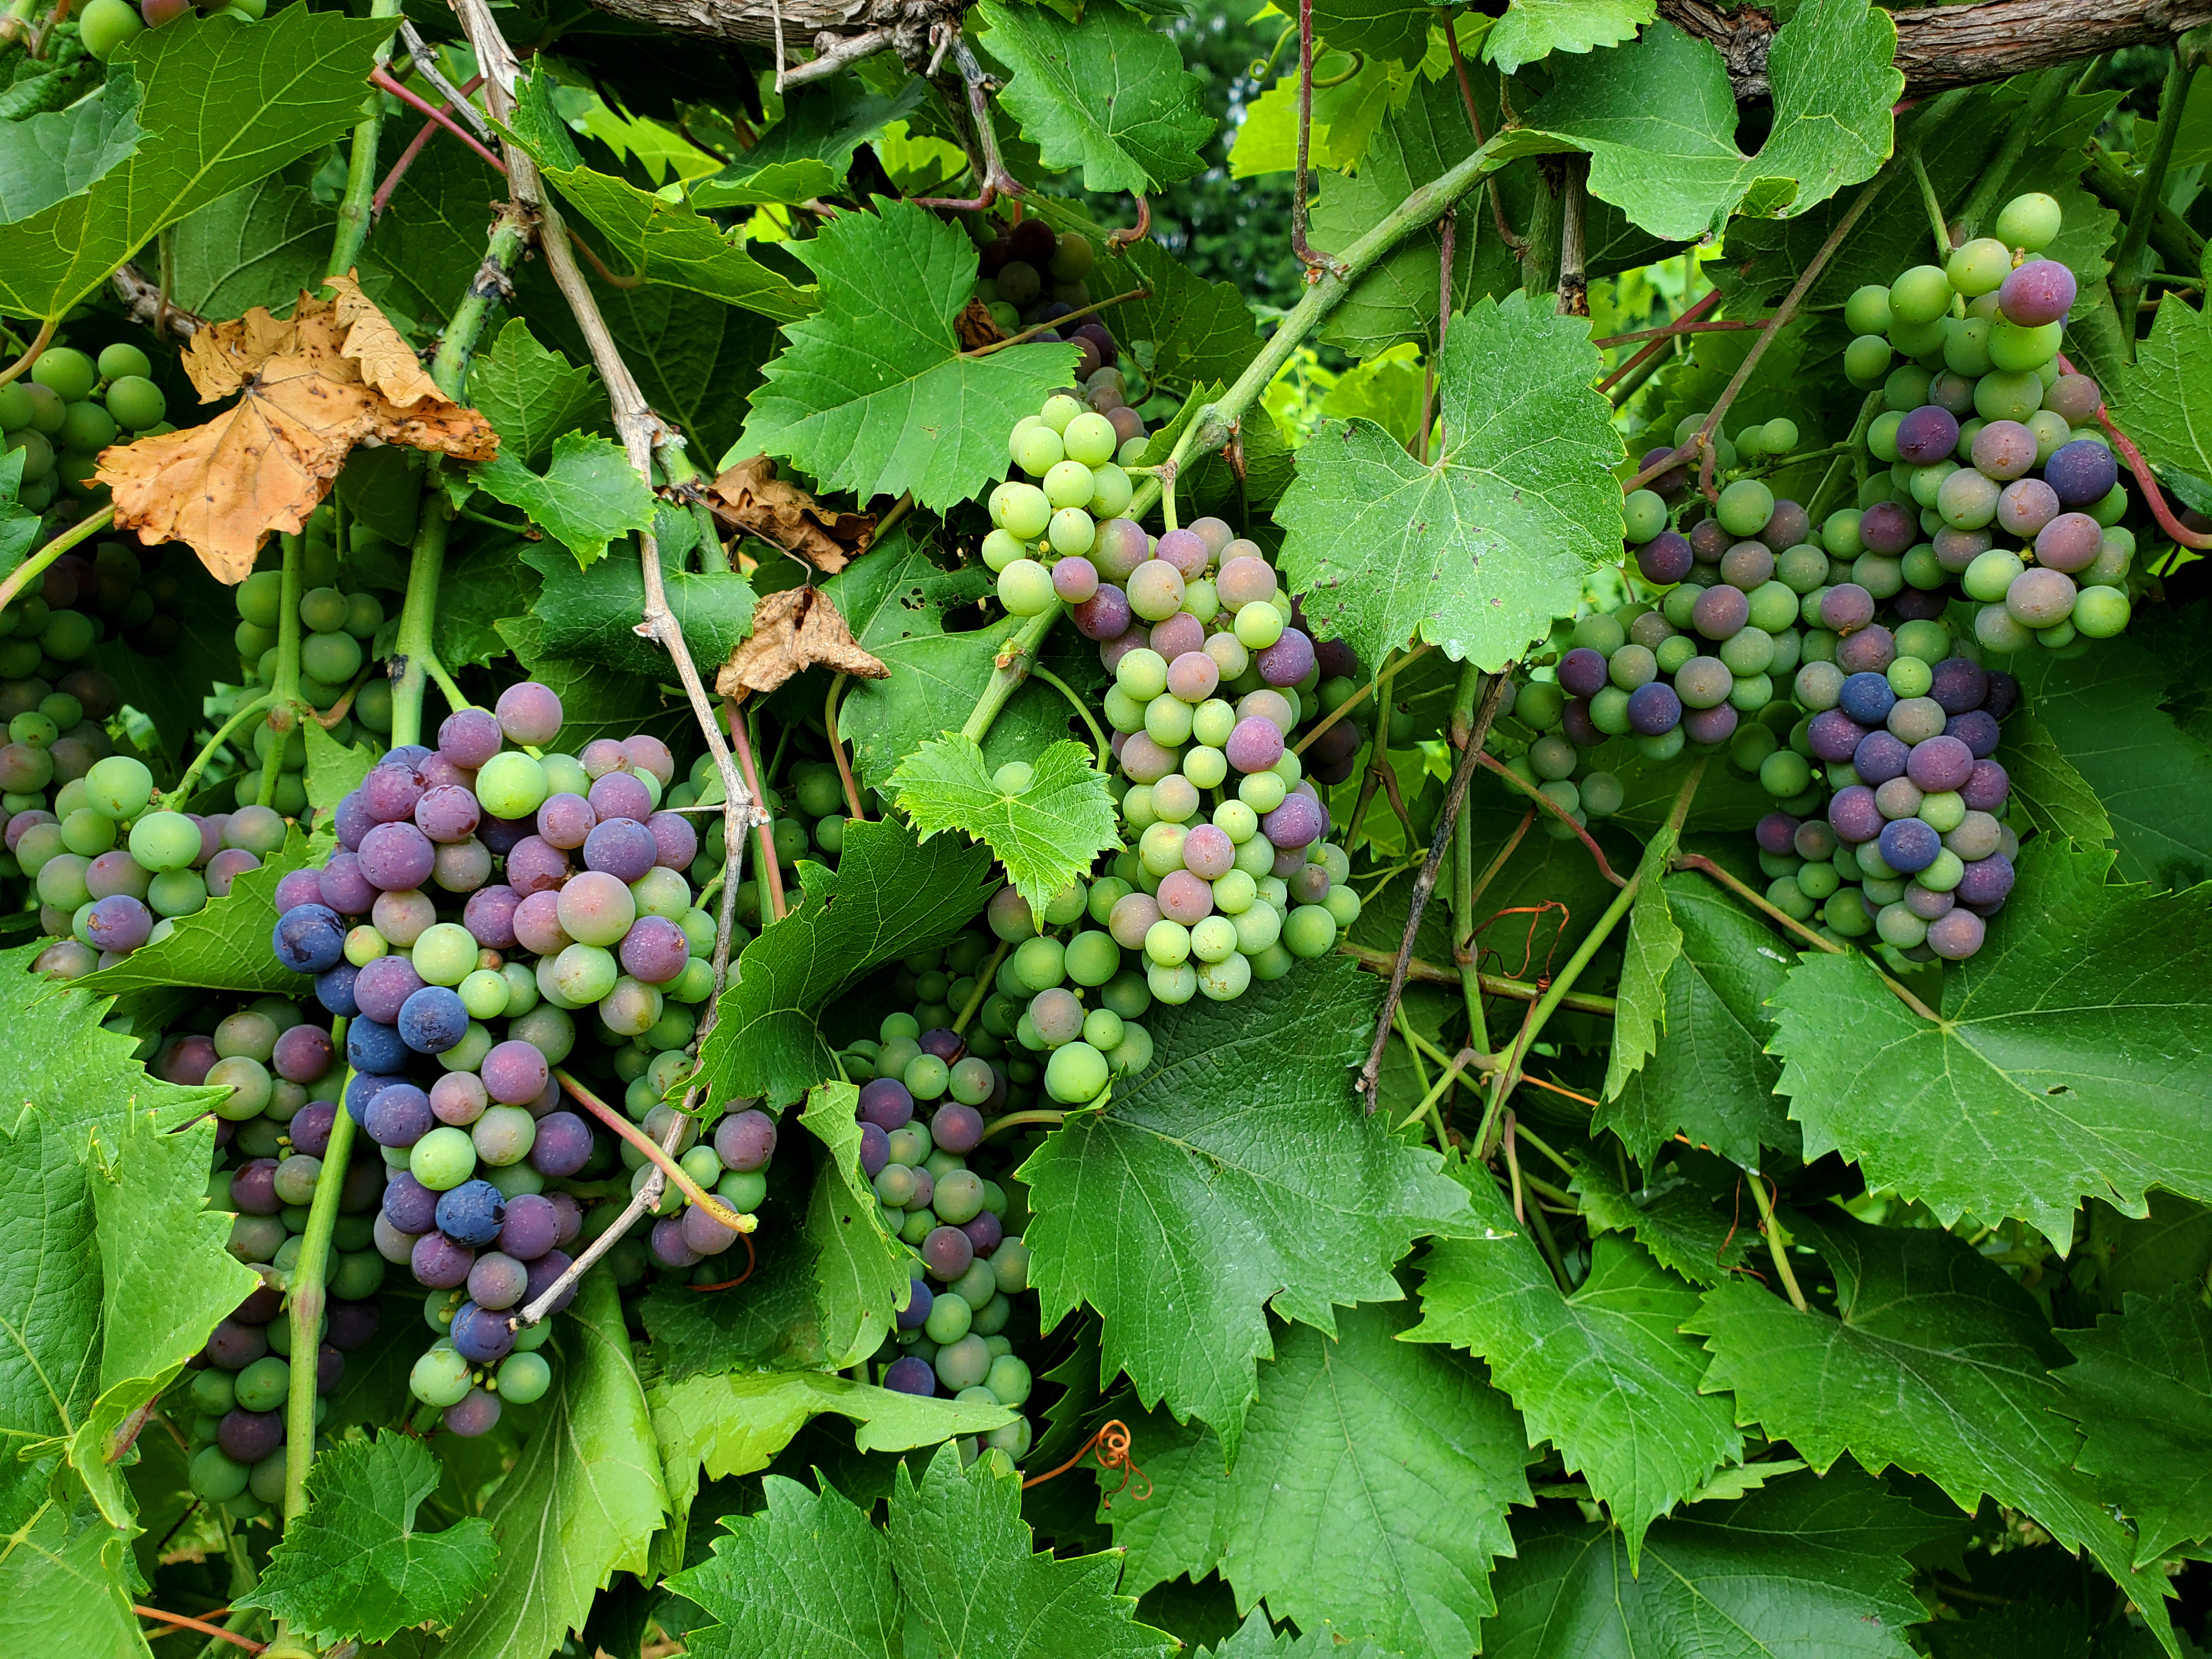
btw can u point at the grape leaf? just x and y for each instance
(256, 246)
(1804, 1565)
(66, 1576)
(2161, 399)
(1368, 1498)
(862, 1275)
(1602, 1374)
(2056, 798)
(1348, 106)
(165, 1278)
(806, 1574)
(1046, 834)
(775, 1326)
(334, 769)
(49, 1281)
(967, 1572)
(222, 947)
(355, 1565)
(2061, 1069)
(888, 898)
(592, 613)
(1110, 94)
(1237, 1174)
(1673, 1218)
(896, 601)
(588, 495)
(1533, 29)
(1711, 1078)
(1387, 29)
(1658, 118)
(2140, 1388)
(1655, 943)
(872, 395)
(531, 395)
(585, 1495)
(424, 251)
(1255, 1638)
(1478, 551)
(222, 104)
(64, 1064)
(1206, 482)
(807, 152)
(1934, 1360)
(664, 241)
(2103, 713)
(1199, 331)
(59, 152)
(483, 585)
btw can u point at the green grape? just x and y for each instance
(524, 1378)
(2029, 222)
(66, 372)
(119, 787)
(86, 428)
(1980, 267)
(1039, 450)
(1867, 311)
(511, 785)
(1025, 588)
(1920, 295)
(1644, 515)
(1309, 931)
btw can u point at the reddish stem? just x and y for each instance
(1695, 313)
(407, 158)
(1544, 803)
(771, 871)
(2140, 468)
(201, 1625)
(645, 1143)
(382, 78)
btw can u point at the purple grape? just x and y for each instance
(433, 1020)
(1909, 846)
(543, 1272)
(341, 887)
(440, 1264)
(1653, 710)
(1178, 635)
(947, 1252)
(308, 938)
(1866, 698)
(1956, 935)
(1833, 735)
(1747, 564)
(1987, 786)
(297, 887)
(481, 1336)
(2026, 505)
(1919, 605)
(472, 1212)
(667, 1244)
(571, 1214)
(564, 820)
(654, 950)
(1977, 729)
(746, 1141)
(1853, 815)
(1776, 832)
(1846, 607)
(330, 1368)
(1287, 661)
(515, 1072)
(363, 1087)
(875, 1150)
(384, 986)
(310, 1128)
(1665, 559)
(1105, 615)
(2003, 695)
(956, 1128)
(253, 1187)
(537, 926)
(2069, 541)
(409, 1205)
(910, 1375)
(1582, 672)
(529, 714)
(620, 795)
(232, 1345)
(1889, 527)
(647, 753)
(1986, 881)
(390, 790)
(985, 1232)
(352, 1324)
(1670, 483)
(248, 1436)
(703, 1234)
(1957, 685)
(501, 835)
(469, 737)
(448, 813)
(916, 1314)
(947, 1044)
(302, 1054)
(1880, 757)
(2004, 450)
(1925, 436)
(622, 847)
(1185, 550)
(262, 1304)
(1871, 650)
(885, 1103)
(476, 1414)
(353, 819)
(563, 1145)
(1254, 744)
(119, 922)
(1927, 904)
(1298, 822)
(458, 1098)
(497, 1280)
(2041, 291)
(536, 866)
(396, 858)
(1939, 763)
(490, 916)
(399, 1117)
(532, 1228)
(676, 843)
(1074, 579)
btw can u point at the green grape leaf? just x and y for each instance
(1655, 943)
(67, 1579)
(585, 1495)
(1385, 29)
(221, 106)
(1241, 1173)
(2103, 713)
(222, 947)
(873, 395)
(592, 613)
(2161, 400)
(1658, 118)
(256, 246)
(806, 1574)
(588, 495)
(2056, 798)
(1045, 835)
(59, 154)
(2140, 1388)
(888, 898)
(1602, 1373)
(1949, 1368)
(424, 251)
(1803, 1565)
(355, 1565)
(671, 242)
(862, 1275)
(1478, 551)
(806, 153)
(2061, 1068)
(1711, 1078)
(1533, 29)
(334, 768)
(165, 1280)
(1672, 1218)
(1350, 102)
(1368, 1498)
(776, 1326)
(1109, 95)
(1255, 1638)
(50, 1364)
(896, 601)
(736, 1423)
(1199, 331)
(531, 395)
(1207, 483)
(967, 1572)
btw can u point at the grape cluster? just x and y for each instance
(284, 1076)
(69, 408)
(110, 25)
(413, 939)
(1031, 276)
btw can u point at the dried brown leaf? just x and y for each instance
(336, 375)
(751, 496)
(976, 326)
(793, 631)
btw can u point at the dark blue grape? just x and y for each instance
(409, 1205)
(1866, 698)
(910, 1375)
(985, 1232)
(363, 1087)
(1927, 436)
(334, 989)
(1880, 756)
(1910, 846)
(875, 1150)
(563, 1147)
(373, 1045)
(474, 1212)
(1653, 710)
(352, 1324)
(481, 1335)
(1986, 882)
(885, 1103)
(1666, 558)
(1887, 528)
(399, 1117)
(1582, 672)
(2080, 473)
(232, 1345)
(309, 939)
(1958, 685)
(353, 820)
(1977, 729)
(2002, 696)
(249, 1437)
(916, 1314)
(433, 1020)
(310, 1128)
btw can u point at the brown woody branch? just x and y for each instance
(1942, 46)
(142, 299)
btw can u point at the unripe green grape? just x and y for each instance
(1025, 588)
(511, 785)
(163, 842)
(1310, 932)
(333, 657)
(2028, 221)
(2101, 613)
(1920, 294)
(1068, 484)
(1920, 341)
(524, 1378)
(1644, 515)
(135, 401)
(1112, 491)
(1978, 267)
(1040, 452)
(1867, 311)
(86, 428)
(1259, 625)
(1022, 510)
(1089, 439)
(2005, 396)
(66, 371)
(2110, 508)
(2015, 350)
(1967, 347)
(1073, 530)
(1780, 436)
(118, 786)
(1058, 412)
(484, 994)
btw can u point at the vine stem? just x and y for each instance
(305, 1298)
(82, 531)
(661, 1159)
(16, 370)
(1777, 1243)
(355, 206)
(1046, 1116)
(2034, 116)
(1361, 696)
(174, 800)
(413, 649)
(646, 1198)
(2150, 192)
(837, 746)
(179, 1620)
(1692, 321)
(1543, 802)
(1105, 747)
(284, 701)
(771, 866)
(1059, 322)
(1369, 1084)
(984, 979)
